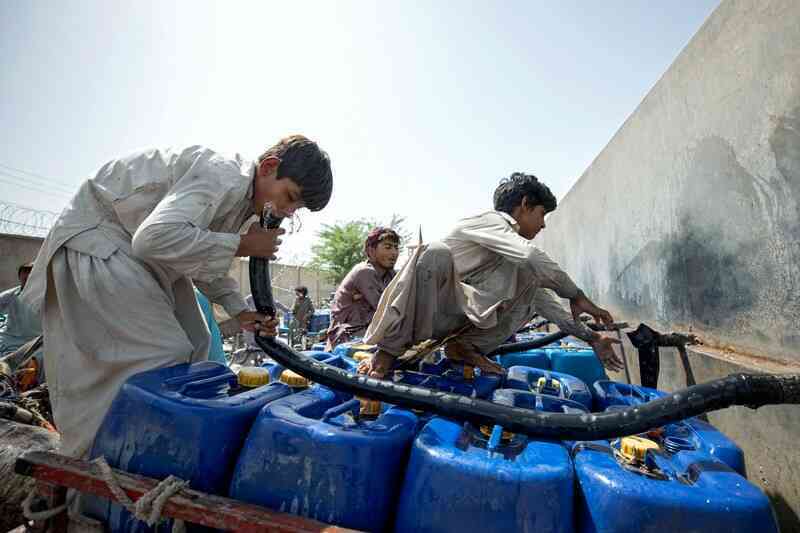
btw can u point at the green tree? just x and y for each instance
(340, 246)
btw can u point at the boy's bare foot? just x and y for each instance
(456, 351)
(378, 366)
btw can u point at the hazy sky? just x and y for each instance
(423, 106)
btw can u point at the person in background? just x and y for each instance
(481, 284)
(357, 296)
(216, 352)
(22, 324)
(302, 311)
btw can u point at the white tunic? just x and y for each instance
(500, 282)
(121, 259)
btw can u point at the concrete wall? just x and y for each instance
(691, 214)
(284, 279)
(689, 219)
(15, 250)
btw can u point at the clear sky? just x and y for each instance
(423, 106)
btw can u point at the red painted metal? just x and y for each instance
(188, 505)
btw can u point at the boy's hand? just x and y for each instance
(581, 304)
(253, 321)
(268, 328)
(259, 242)
(604, 348)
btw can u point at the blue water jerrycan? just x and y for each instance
(577, 361)
(187, 420)
(704, 436)
(474, 386)
(348, 349)
(536, 358)
(549, 383)
(313, 454)
(466, 478)
(279, 373)
(661, 481)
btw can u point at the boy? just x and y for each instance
(114, 277)
(357, 296)
(480, 285)
(302, 312)
(22, 325)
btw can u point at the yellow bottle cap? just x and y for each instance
(635, 448)
(363, 347)
(543, 382)
(361, 356)
(253, 376)
(293, 379)
(369, 408)
(487, 432)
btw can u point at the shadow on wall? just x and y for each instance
(732, 266)
(787, 518)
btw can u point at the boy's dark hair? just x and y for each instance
(512, 190)
(378, 234)
(308, 165)
(302, 289)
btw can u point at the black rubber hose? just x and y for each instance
(516, 347)
(737, 389)
(534, 326)
(259, 274)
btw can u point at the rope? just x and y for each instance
(149, 506)
(40, 516)
(89, 524)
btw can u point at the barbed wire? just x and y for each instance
(19, 220)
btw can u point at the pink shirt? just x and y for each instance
(351, 317)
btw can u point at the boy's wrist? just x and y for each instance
(594, 337)
(579, 295)
(244, 248)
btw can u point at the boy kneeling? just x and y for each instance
(480, 285)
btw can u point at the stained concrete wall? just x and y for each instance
(15, 250)
(691, 214)
(689, 219)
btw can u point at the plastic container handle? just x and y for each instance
(495, 438)
(192, 386)
(353, 405)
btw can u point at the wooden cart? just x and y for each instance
(55, 474)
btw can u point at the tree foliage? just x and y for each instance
(340, 246)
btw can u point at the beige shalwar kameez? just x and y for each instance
(113, 279)
(483, 275)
